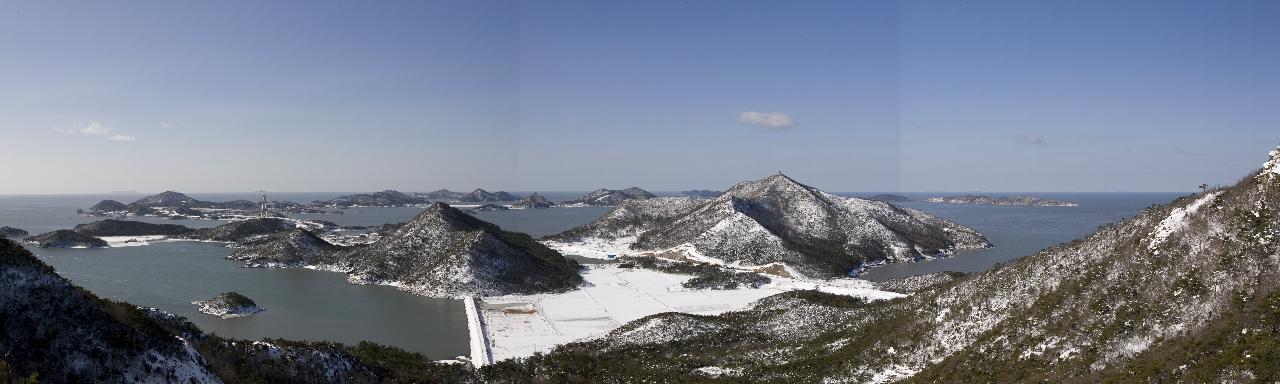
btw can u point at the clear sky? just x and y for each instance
(666, 95)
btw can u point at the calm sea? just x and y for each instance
(312, 305)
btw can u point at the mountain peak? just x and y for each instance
(444, 252)
(771, 185)
(454, 218)
(165, 199)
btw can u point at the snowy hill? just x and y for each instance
(165, 199)
(774, 220)
(611, 197)
(445, 252)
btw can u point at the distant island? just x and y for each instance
(889, 198)
(1011, 200)
(12, 232)
(605, 197)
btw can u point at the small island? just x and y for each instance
(66, 238)
(228, 305)
(1011, 200)
(13, 232)
(535, 201)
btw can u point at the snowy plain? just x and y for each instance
(519, 325)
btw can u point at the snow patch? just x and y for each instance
(1177, 219)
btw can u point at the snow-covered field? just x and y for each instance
(519, 325)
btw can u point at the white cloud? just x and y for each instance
(771, 120)
(1031, 139)
(167, 125)
(95, 128)
(91, 128)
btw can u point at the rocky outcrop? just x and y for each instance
(778, 220)
(228, 305)
(535, 201)
(13, 232)
(1012, 200)
(611, 197)
(444, 252)
(66, 238)
(111, 227)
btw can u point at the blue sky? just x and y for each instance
(575, 95)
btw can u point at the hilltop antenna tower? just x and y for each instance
(263, 211)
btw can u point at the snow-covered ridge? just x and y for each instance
(772, 220)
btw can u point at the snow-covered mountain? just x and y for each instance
(445, 252)
(775, 220)
(611, 197)
(1184, 292)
